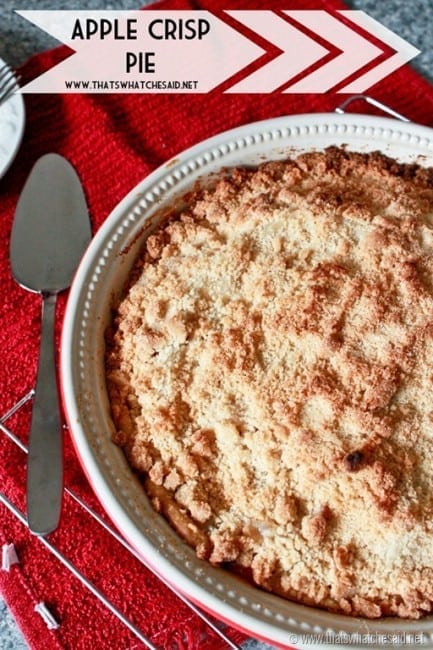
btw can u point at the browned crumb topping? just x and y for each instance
(270, 372)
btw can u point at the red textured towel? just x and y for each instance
(114, 141)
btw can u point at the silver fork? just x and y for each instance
(8, 83)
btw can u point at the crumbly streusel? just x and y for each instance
(270, 371)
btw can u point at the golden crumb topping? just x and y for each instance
(270, 371)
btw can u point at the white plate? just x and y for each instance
(12, 119)
(101, 276)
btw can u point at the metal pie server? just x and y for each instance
(50, 233)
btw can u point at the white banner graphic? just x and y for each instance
(195, 51)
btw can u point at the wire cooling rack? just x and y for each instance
(6, 430)
(45, 541)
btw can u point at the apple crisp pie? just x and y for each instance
(270, 374)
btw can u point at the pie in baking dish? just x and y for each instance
(270, 374)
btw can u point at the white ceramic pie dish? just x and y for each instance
(100, 279)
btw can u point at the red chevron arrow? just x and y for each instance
(356, 51)
(404, 52)
(287, 38)
(299, 52)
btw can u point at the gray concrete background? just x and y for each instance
(19, 39)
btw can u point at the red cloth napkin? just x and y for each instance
(114, 141)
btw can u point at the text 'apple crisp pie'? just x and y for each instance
(270, 374)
